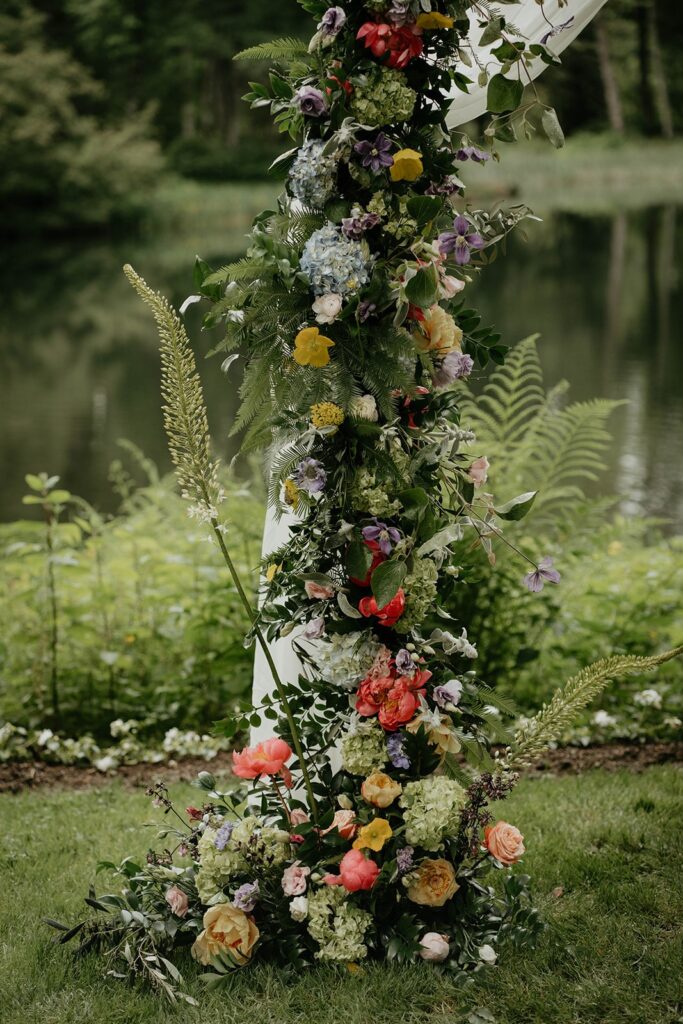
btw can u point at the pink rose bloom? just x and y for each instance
(298, 817)
(434, 946)
(268, 758)
(479, 471)
(177, 901)
(344, 823)
(294, 879)
(356, 872)
(451, 286)
(318, 591)
(504, 842)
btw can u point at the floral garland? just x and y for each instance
(348, 308)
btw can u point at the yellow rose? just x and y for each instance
(407, 165)
(311, 348)
(434, 20)
(442, 735)
(226, 930)
(380, 789)
(433, 883)
(438, 332)
(374, 835)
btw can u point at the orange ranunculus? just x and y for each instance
(267, 758)
(226, 930)
(504, 842)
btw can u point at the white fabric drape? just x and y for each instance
(528, 17)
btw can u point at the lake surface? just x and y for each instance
(79, 365)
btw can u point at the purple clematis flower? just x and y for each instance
(332, 22)
(443, 188)
(310, 101)
(460, 241)
(310, 476)
(246, 896)
(544, 573)
(375, 155)
(480, 156)
(396, 752)
(355, 227)
(454, 366)
(385, 536)
(405, 666)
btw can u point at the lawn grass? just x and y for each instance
(612, 953)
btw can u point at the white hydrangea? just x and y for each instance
(346, 658)
(432, 810)
(363, 748)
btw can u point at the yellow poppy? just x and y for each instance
(272, 571)
(374, 835)
(407, 165)
(434, 20)
(311, 348)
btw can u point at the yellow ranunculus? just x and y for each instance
(380, 790)
(434, 20)
(432, 884)
(407, 165)
(374, 835)
(226, 930)
(311, 348)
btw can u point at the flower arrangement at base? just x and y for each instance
(362, 827)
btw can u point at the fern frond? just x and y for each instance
(185, 419)
(580, 690)
(277, 50)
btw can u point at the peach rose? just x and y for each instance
(344, 822)
(177, 901)
(267, 758)
(318, 591)
(298, 817)
(380, 790)
(433, 883)
(295, 879)
(226, 930)
(434, 946)
(504, 842)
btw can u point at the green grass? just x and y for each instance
(612, 953)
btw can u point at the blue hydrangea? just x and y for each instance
(334, 264)
(313, 176)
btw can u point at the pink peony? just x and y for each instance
(479, 471)
(177, 901)
(295, 879)
(356, 872)
(268, 758)
(318, 591)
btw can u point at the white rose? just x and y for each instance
(434, 946)
(298, 908)
(488, 954)
(327, 308)
(364, 408)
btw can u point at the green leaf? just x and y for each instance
(386, 580)
(358, 560)
(516, 508)
(492, 31)
(441, 539)
(34, 482)
(424, 209)
(422, 289)
(552, 127)
(503, 94)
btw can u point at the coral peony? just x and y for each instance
(388, 614)
(268, 758)
(504, 842)
(399, 45)
(356, 872)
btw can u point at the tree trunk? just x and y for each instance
(660, 87)
(610, 85)
(645, 87)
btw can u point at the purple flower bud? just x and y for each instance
(365, 310)
(223, 835)
(332, 22)
(404, 859)
(480, 156)
(310, 101)
(405, 666)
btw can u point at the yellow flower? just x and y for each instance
(291, 492)
(380, 789)
(614, 547)
(326, 414)
(442, 735)
(432, 884)
(407, 165)
(438, 332)
(434, 20)
(272, 571)
(311, 348)
(374, 835)
(226, 930)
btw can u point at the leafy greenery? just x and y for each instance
(617, 905)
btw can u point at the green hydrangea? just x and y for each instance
(432, 810)
(420, 590)
(366, 496)
(337, 925)
(250, 840)
(383, 99)
(364, 751)
(404, 226)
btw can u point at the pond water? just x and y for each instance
(79, 364)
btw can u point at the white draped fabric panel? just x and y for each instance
(532, 21)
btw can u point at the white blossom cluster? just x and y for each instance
(334, 264)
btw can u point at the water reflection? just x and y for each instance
(79, 365)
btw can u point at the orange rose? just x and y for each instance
(380, 790)
(504, 842)
(226, 930)
(433, 883)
